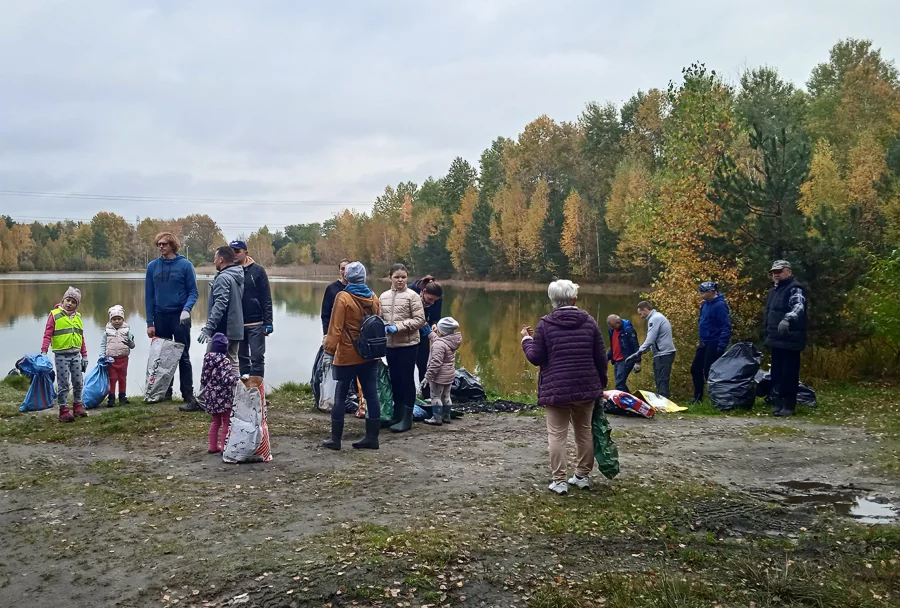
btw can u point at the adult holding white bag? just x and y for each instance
(170, 292)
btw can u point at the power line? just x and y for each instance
(173, 199)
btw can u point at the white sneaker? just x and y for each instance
(560, 487)
(582, 483)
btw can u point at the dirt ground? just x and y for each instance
(427, 520)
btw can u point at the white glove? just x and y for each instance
(185, 317)
(203, 338)
(637, 368)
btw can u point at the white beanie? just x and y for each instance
(447, 325)
(116, 311)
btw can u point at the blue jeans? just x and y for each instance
(252, 353)
(345, 375)
(621, 371)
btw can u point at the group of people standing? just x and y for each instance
(568, 347)
(415, 335)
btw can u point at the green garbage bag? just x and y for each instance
(385, 394)
(605, 450)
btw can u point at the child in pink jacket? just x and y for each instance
(445, 341)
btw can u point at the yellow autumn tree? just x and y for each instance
(824, 188)
(530, 243)
(260, 247)
(579, 235)
(510, 207)
(866, 166)
(462, 221)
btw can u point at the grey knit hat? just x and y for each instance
(447, 325)
(74, 293)
(355, 272)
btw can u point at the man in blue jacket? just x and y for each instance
(170, 292)
(623, 343)
(715, 333)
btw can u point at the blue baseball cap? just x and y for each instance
(237, 245)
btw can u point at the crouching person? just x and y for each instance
(64, 333)
(445, 341)
(351, 307)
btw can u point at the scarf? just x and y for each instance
(359, 289)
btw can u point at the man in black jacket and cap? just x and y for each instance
(785, 329)
(330, 294)
(257, 305)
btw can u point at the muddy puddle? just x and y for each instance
(856, 503)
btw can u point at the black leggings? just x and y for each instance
(402, 367)
(422, 363)
(346, 375)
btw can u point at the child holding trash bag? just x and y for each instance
(118, 341)
(218, 379)
(64, 333)
(445, 341)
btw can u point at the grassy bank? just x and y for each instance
(129, 499)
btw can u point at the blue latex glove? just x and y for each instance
(390, 329)
(426, 329)
(269, 330)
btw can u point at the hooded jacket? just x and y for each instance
(568, 347)
(170, 286)
(343, 328)
(715, 323)
(225, 313)
(442, 357)
(257, 300)
(628, 342)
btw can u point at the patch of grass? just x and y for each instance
(293, 390)
(17, 383)
(773, 431)
(513, 444)
(373, 544)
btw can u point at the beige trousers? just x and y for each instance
(558, 419)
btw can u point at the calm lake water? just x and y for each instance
(489, 321)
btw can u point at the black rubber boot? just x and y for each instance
(191, 406)
(396, 417)
(337, 432)
(370, 441)
(777, 406)
(123, 399)
(446, 414)
(788, 409)
(111, 401)
(405, 422)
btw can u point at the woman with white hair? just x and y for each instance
(568, 347)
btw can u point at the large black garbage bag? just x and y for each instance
(732, 382)
(805, 395)
(466, 387)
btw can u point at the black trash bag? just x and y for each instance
(466, 387)
(732, 382)
(805, 394)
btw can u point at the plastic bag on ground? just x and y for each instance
(466, 387)
(660, 403)
(41, 394)
(324, 385)
(96, 384)
(732, 378)
(605, 450)
(161, 367)
(629, 403)
(248, 435)
(806, 395)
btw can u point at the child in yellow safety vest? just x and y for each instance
(64, 333)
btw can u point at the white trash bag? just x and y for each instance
(248, 435)
(161, 366)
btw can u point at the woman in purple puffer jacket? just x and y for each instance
(568, 347)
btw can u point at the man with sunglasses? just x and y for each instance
(170, 292)
(785, 327)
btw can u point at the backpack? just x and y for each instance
(372, 340)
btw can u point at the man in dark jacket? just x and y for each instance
(785, 327)
(715, 333)
(170, 292)
(257, 307)
(623, 343)
(330, 294)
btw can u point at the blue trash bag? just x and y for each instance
(96, 384)
(41, 394)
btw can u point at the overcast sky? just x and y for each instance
(314, 101)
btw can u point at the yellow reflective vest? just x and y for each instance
(68, 332)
